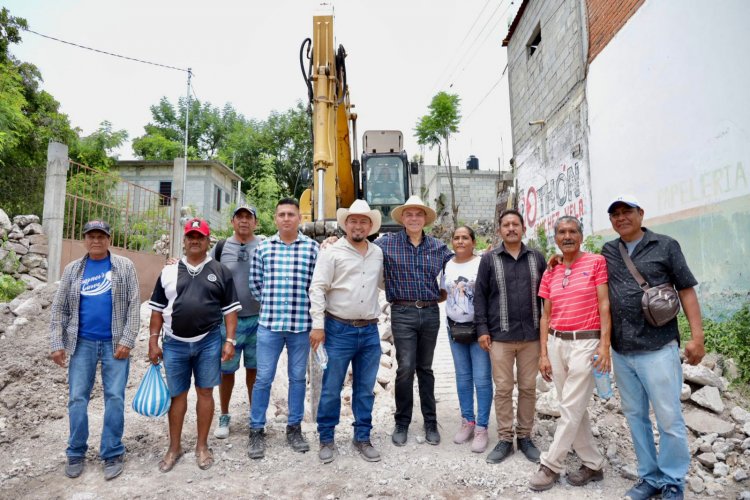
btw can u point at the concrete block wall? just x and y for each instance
(476, 190)
(541, 83)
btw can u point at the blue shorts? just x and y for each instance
(247, 338)
(202, 359)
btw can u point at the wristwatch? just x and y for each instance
(232, 341)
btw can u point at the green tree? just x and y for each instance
(97, 150)
(264, 193)
(436, 128)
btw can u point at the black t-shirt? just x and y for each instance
(194, 305)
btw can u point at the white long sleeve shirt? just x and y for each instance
(345, 283)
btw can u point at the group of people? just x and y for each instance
(510, 314)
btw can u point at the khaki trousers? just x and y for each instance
(571, 374)
(525, 355)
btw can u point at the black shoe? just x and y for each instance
(256, 445)
(295, 438)
(431, 434)
(74, 467)
(503, 449)
(527, 447)
(113, 467)
(400, 433)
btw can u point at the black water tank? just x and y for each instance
(472, 163)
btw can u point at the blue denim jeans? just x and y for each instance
(81, 375)
(655, 377)
(361, 347)
(269, 346)
(186, 360)
(473, 370)
(415, 334)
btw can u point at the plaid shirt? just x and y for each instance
(280, 276)
(126, 304)
(411, 272)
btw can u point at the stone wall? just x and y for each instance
(24, 249)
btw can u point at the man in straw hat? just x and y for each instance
(412, 262)
(344, 309)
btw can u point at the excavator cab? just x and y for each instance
(385, 184)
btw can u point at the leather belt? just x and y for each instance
(356, 323)
(578, 335)
(419, 304)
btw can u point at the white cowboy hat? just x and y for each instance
(360, 207)
(414, 201)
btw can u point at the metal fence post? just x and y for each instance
(178, 199)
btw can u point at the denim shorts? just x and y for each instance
(247, 338)
(202, 359)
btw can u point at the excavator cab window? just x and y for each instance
(385, 184)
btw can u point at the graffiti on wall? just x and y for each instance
(542, 203)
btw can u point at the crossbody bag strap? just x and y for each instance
(631, 267)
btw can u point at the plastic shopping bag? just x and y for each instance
(152, 397)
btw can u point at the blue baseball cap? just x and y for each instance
(96, 225)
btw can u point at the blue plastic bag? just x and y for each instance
(152, 397)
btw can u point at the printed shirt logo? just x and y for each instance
(97, 285)
(211, 278)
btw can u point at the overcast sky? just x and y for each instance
(247, 53)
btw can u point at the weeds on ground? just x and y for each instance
(10, 288)
(730, 337)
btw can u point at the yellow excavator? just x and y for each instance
(337, 179)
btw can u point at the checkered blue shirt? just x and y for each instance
(411, 272)
(280, 276)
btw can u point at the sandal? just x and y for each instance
(205, 458)
(170, 459)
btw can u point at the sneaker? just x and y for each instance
(503, 449)
(295, 438)
(400, 433)
(113, 467)
(642, 490)
(367, 450)
(481, 439)
(465, 432)
(584, 475)
(222, 431)
(256, 445)
(543, 479)
(431, 434)
(527, 447)
(327, 452)
(672, 491)
(74, 467)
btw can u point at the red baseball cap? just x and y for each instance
(197, 225)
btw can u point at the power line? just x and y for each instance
(487, 94)
(458, 47)
(467, 51)
(106, 53)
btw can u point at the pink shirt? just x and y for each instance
(575, 307)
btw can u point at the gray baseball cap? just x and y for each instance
(249, 208)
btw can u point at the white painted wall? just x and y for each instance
(669, 109)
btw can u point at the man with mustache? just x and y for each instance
(189, 301)
(345, 310)
(507, 311)
(575, 326)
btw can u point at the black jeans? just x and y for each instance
(415, 334)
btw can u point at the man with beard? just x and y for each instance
(345, 310)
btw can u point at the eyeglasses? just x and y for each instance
(566, 277)
(242, 255)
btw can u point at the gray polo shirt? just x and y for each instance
(660, 260)
(237, 258)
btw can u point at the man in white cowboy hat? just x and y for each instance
(344, 309)
(412, 263)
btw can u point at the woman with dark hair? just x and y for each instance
(471, 362)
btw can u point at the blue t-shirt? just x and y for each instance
(95, 313)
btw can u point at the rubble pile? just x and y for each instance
(24, 249)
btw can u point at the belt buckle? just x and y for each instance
(359, 323)
(418, 304)
(574, 334)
